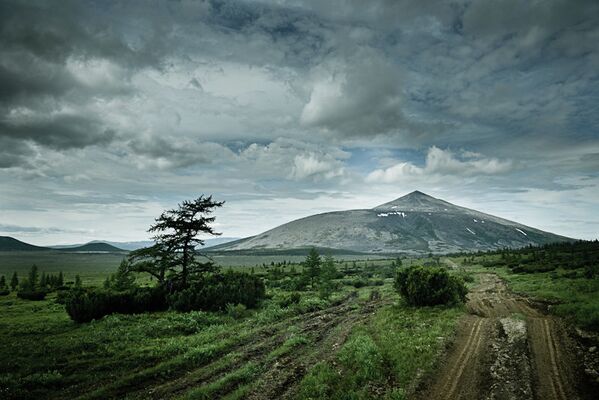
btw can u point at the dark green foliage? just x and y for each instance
(123, 279)
(173, 257)
(78, 282)
(428, 286)
(33, 277)
(2, 282)
(34, 295)
(14, 281)
(4, 292)
(214, 292)
(312, 266)
(86, 305)
(290, 299)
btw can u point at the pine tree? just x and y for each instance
(2, 282)
(60, 280)
(33, 277)
(78, 283)
(176, 238)
(43, 281)
(14, 281)
(123, 279)
(312, 266)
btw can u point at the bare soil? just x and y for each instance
(508, 349)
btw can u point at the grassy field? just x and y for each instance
(379, 343)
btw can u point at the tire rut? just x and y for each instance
(482, 355)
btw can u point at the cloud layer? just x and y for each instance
(111, 111)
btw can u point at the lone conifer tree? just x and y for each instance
(176, 238)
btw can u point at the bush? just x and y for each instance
(236, 311)
(214, 292)
(290, 299)
(86, 305)
(31, 295)
(4, 292)
(428, 286)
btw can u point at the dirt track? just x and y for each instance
(506, 349)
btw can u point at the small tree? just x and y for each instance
(123, 279)
(78, 283)
(43, 281)
(14, 281)
(33, 277)
(60, 280)
(2, 282)
(312, 266)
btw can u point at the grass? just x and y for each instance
(46, 355)
(575, 298)
(382, 358)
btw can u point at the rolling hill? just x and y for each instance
(415, 224)
(8, 243)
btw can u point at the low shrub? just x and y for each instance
(214, 292)
(86, 305)
(236, 311)
(4, 292)
(290, 299)
(428, 286)
(31, 295)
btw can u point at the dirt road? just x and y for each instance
(506, 349)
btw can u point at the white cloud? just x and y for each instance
(440, 163)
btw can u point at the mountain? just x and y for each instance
(416, 223)
(8, 243)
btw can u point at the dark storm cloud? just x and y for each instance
(59, 132)
(266, 101)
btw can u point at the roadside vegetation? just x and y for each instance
(565, 276)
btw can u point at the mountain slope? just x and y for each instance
(8, 243)
(415, 223)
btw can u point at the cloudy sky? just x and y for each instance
(111, 111)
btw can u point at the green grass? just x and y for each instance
(383, 357)
(577, 298)
(46, 355)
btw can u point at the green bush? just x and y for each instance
(290, 299)
(236, 311)
(428, 286)
(214, 292)
(86, 305)
(31, 295)
(4, 292)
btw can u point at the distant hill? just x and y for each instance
(130, 246)
(415, 224)
(8, 243)
(97, 247)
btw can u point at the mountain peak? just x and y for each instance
(416, 201)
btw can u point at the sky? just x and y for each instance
(112, 111)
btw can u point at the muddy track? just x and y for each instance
(506, 349)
